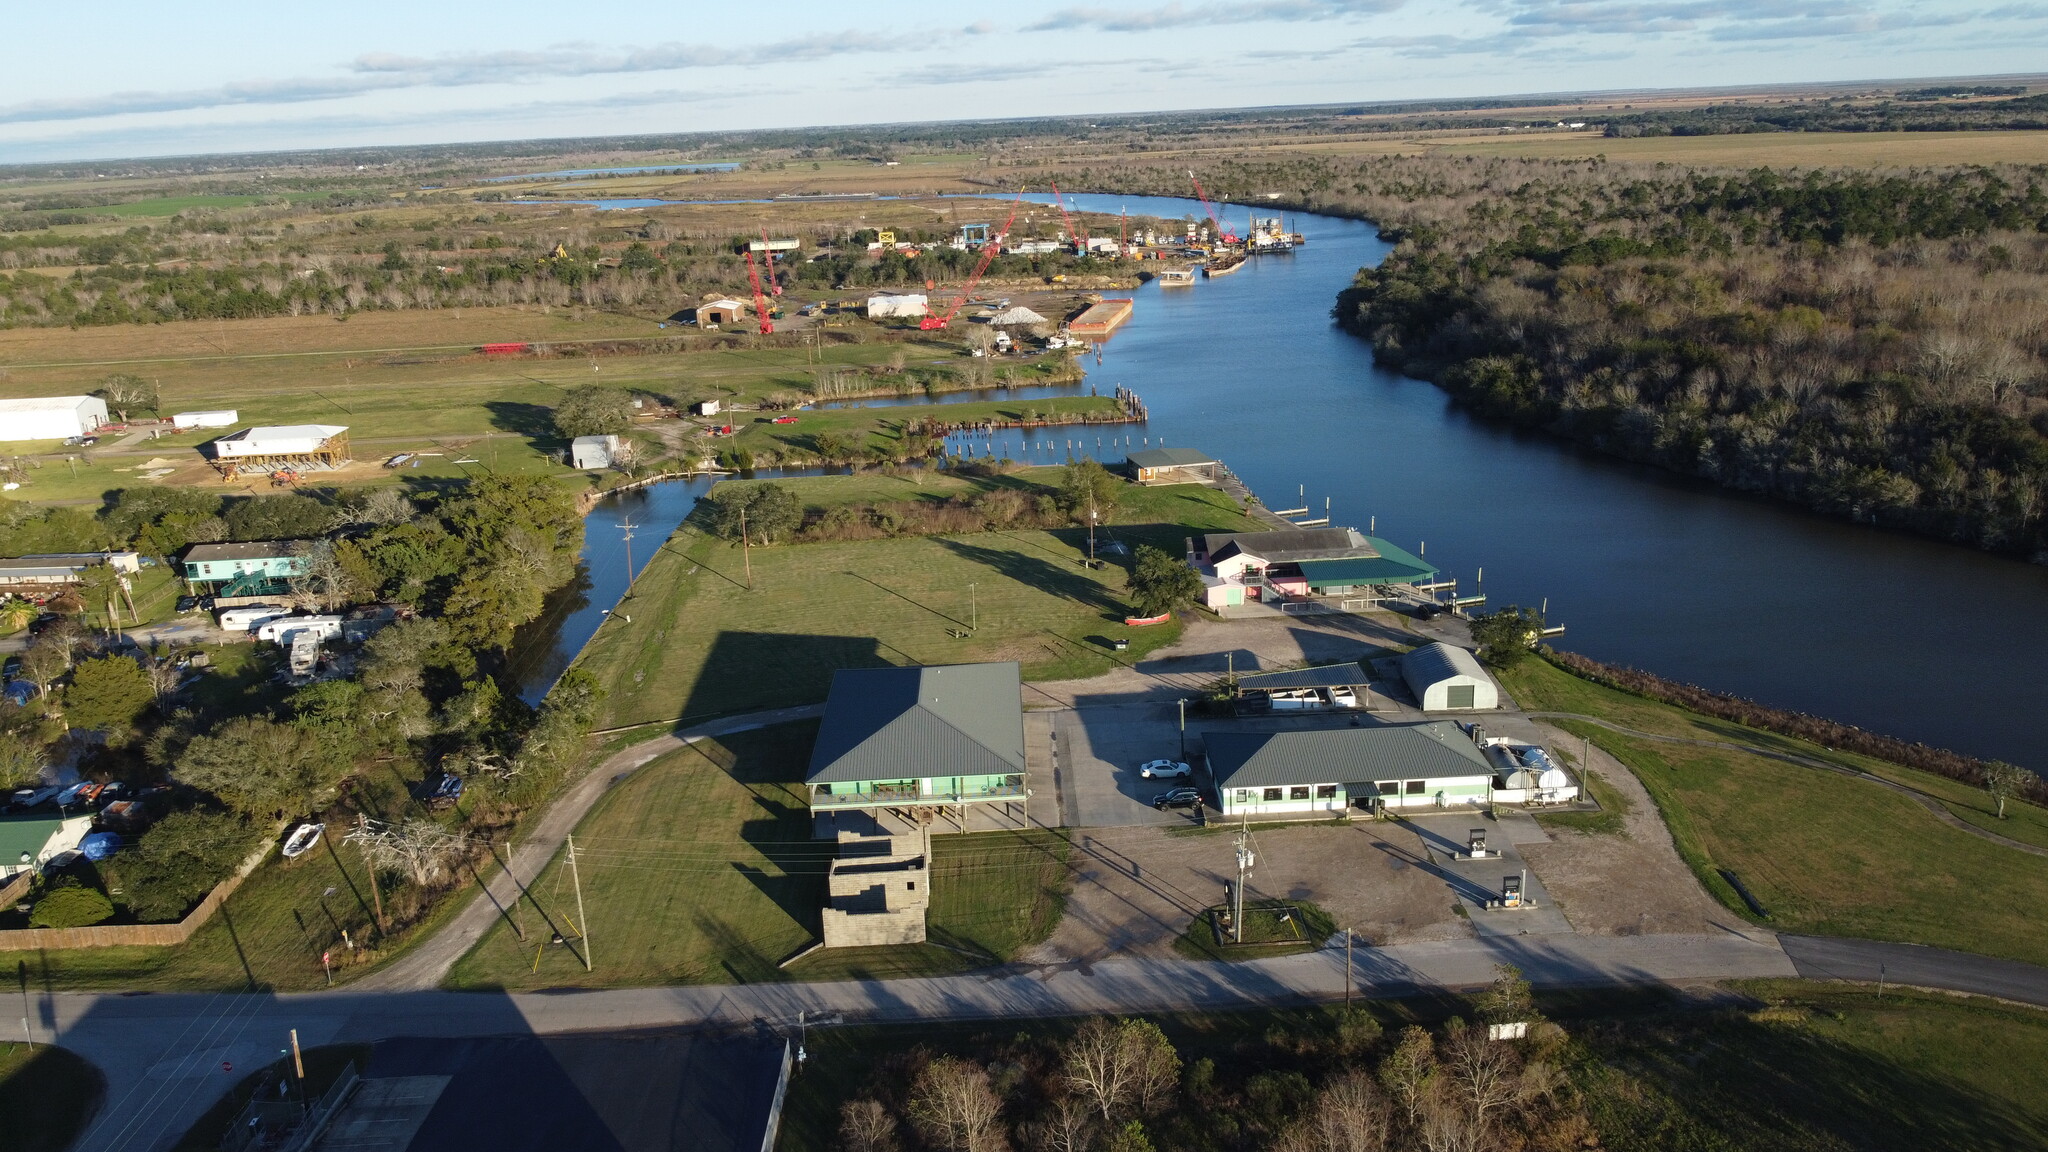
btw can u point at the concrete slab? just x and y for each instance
(1476, 883)
(1099, 751)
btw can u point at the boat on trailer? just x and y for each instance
(302, 838)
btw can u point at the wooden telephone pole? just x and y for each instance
(582, 921)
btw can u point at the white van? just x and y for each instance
(280, 629)
(243, 618)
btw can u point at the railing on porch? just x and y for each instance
(822, 798)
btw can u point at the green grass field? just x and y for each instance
(700, 643)
(882, 427)
(700, 868)
(1824, 853)
(47, 1095)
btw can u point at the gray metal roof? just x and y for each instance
(905, 723)
(1437, 662)
(246, 550)
(1169, 458)
(1429, 751)
(1286, 545)
(1321, 676)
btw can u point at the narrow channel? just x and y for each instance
(1912, 637)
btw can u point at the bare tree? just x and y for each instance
(1445, 1124)
(1350, 1115)
(323, 583)
(1410, 1070)
(954, 1107)
(1121, 1065)
(164, 675)
(421, 849)
(866, 1126)
(2003, 781)
(1069, 1126)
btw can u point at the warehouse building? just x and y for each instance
(713, 313)
(1318, 774)
(1447, 678)
(51, 417)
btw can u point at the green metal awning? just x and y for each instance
(1392, 566)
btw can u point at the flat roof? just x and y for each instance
(1169, 458)
(1344, 675)
(905, 723)
(1433, 750)
(45, 403)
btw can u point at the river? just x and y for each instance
(1900, 635)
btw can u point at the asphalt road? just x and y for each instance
(1825, 958)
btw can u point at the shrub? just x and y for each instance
(72, 907)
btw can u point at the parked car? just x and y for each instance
(187, 603)
(442, 791)
(1164, 770)
(11, 668)
(1428, 611)
(785, 420)
(1177, 798)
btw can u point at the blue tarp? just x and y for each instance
(99, 845)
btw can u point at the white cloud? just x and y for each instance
(1176, 15)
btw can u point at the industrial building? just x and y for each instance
(1324, 773)
(1171, 466)
(593, 451)
(1447, 678)
(1301, 569)
(293, 446)
(51, 417)
(919, 743)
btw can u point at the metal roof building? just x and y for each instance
(1318, 772)
(282, 446)
(50, 417)
(915, 737)
(1170, 466)
(592, 451)
(1445, 677)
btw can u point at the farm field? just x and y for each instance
(692, 641)
(700, 868)
(1823, 853)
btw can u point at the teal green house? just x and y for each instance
(945, 737)
(251, 568)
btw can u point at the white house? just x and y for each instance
(887, 304)
(1318, 774)
(593, 451)
(51, 417)
(1447, 678)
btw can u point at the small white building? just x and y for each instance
(1446, 678)
(887, 304)
(219, 418)
(593, 451)
(51, 417)
(706, 407)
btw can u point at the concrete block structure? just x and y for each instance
(878, 890)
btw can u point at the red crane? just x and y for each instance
(768, 260)
(760, 301)
(989, 250)
(1080, 237)
(1225, 237)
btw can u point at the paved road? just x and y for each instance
(163, 1055)
(427, 963)
(1827, 958)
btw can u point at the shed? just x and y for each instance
(593, 451)
(1316, 773)
(1448, 678)
(1171, 466)
(706, 407)
(885, 304)
(725, 310)
(51, 417)
(219, 418)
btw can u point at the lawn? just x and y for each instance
(693, 641)
(1271, 928)
(47, 1095)
(1822, 852)
(883, 427)
(700, 868)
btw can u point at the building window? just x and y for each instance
(1389, 787)
(1326, 791)
(1244, 795)
(1415, 787)
(1272, 793)
(1298, 792)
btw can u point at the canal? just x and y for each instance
(1901, 635)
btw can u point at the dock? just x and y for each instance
(1101, 319)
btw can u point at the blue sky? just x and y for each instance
(121, 78)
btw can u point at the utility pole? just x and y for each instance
(21, 972)
(973, 609)
(376, 895)
(1349, 979)
(1244, 867)
(626, 526)
(1091, 534)
(746, 548)
(1183, 702)
(582, 921)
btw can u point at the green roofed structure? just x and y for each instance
(1324, 773)
(907, 739)
(1302, 569)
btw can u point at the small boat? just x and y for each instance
(302, 838)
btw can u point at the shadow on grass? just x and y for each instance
(1065, 581)
(747, 670)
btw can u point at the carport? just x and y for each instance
(1307, 688)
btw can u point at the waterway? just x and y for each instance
(1894, 633)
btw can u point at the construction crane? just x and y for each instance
(1080, 237)
(989, 250)
(760, 301)
(768, 259)
(1225, 237)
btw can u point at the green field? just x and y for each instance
(700, 869)
(693, 641)
(1823, 852)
